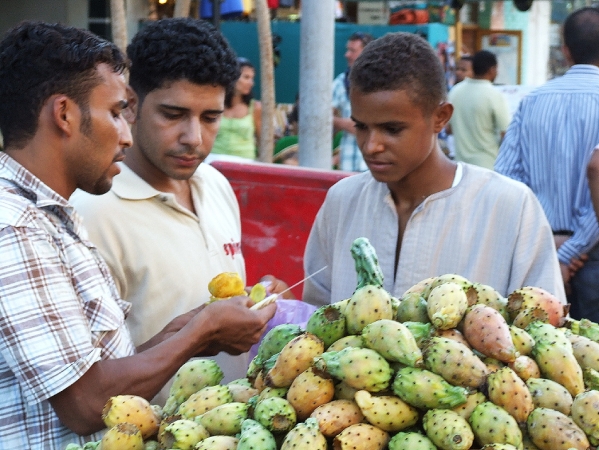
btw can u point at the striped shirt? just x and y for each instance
(548, 145)
(59, 309)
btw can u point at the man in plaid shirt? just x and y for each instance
(64, 345)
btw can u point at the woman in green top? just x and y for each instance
(240, 124)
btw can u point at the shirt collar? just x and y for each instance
(583, 69)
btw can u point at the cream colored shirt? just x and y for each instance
(162, 255)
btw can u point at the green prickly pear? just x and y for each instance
(274, 341)
(218, 443)
(488, 332)
(361, 368)
(551, 430)
(549, 394)
(447, 430)
(584, 413)
(492, 424)
(508, 390)
(412, 308)
(122, 436)
(182, 434)
(412, 441)
(387, 412)
(455, 362)
(347, 341)
(296, 356)
(309, 390)
(424, 389)
(446, 305)
(500, 447)
(367, 304)
(224, 419)
(366, 262)
(421, 331)
(337, 415)
(536, 297)
(275, 414)
(393, 341)
(204, 400)
(522, 340)
(305, 435)
(361, 436)
(254, 436)
(269, 392)
(591, 378)
(191, 377)
(586, 328)
(328, 323)
(133, 409)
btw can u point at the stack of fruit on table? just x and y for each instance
(451, 365)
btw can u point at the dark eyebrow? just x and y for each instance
(122, 104)
(182, 109)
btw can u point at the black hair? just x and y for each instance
(364, 38)
(482, 62)
(38, 60)
(247, 98)
(401, 61)
(189, 49)
(466, 58)
(581, 35)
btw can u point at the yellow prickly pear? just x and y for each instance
(204, 400)
(549, 394)
(122, 436)
(387, 412)
(522, 340)
(132, 409)
(529, 315)
(446, 305)
(585, 351)
(368, 304)
(465, 409)
(347, 341)
(344, 391)
(296, 356)
(224, 419)
(422, 287)
(336, 416)
(492, 424)
(305, 435)
(506, 389)
(447, 429)
(309, 390)
(486, 295)
(225, 285)
(584, 414)
(552, 430)
(525, 367)
(241, 393)
(393, 341)
(361, 436)
(182, 434)
(218, 443)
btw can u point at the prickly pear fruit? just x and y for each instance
(500, 447)
(305, 435)
(584, 413)
(387, 412)
(191, 377)
(241, 393)
(366, 262)
(585, 351)
(492, 424)
(367, 304)
(254, 436)
(361, 368)
(455, 362)
(132, 409)
(425, 389)
(327, 323)
(506, 389)
(525, 367)
(421, 331)
(412, 308)
(182, 434)
(529, 315)
(226, 284)
(204, 400)
(393, 341)
(522, 340)
(337, 415)
(551, 430)
(275, 414)
(347, 341)
(296, 356)
(465, 409)
(274, 341)
(591, 379)
(454, 334)
(447, 430)
(121, 436)
(531, 297)
(549, 394)
(488, 332)
(344, 391)
(461, 281)
(486, 295)
(269, 392)
(412, 441)
(545, 331)
(309, 390)
(218, 443)
(586, 328)
(224, 419)
(361, 436)
(422, 287)
(446, 305)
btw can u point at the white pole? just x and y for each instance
(317, 44)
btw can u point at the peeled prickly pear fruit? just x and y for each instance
(123, 436)
(226, 284)
(132, 409)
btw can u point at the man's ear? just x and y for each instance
(442, 115)
(65, 114)
(130, 112)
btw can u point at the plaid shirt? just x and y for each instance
(59, 309)
(351, 156)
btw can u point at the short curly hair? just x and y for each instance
(169, 50)
(401, 61)
(38, 60)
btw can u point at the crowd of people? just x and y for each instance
(112, 224)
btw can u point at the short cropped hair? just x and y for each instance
(482, 62)
(364, 38)
(401, 61)
(38, 60)
(170, 50)
(581, 35)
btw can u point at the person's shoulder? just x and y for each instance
(15, 210)
(353, 185)
(490, 180)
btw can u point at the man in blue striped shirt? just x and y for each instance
(548, 145)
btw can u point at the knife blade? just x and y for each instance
(273, 297)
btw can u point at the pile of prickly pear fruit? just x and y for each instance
(450, 365)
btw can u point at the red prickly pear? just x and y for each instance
(552, 430)
(530, 297)
(336, 416)
(506, 389)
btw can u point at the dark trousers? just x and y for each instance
(584, 296)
